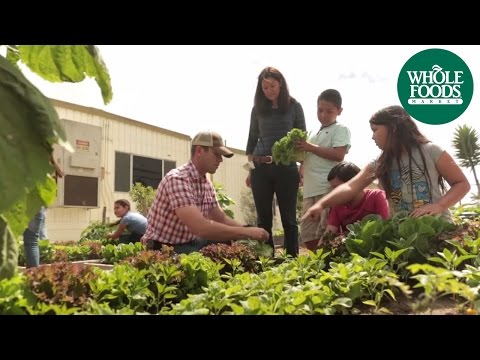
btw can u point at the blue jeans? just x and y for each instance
(192, 246)
(30, 239)
(43, 228)
(129, 238)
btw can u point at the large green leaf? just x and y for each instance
(18, 216)
(8, 251)
(30, 126)
(68, 63)
(12, 54)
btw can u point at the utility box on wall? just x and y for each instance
(80, 185)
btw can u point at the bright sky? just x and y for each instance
(191, 88)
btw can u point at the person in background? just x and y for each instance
(411, 169)
(322, 152)
(273, 115)
(185, 213)
(134, 223)
(366, 202)
(37, 227)
(43, 235)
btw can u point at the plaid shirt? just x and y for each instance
(182, 186)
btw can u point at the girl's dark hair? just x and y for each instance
(264, 105)
(403, 134)
(344, 170)
(124, 203)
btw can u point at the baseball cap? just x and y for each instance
(212, 139)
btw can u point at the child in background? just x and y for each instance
(134, 223)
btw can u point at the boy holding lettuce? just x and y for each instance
(323, 151)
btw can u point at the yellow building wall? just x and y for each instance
(231, 175)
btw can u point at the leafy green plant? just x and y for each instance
(194, 262)
(14, 297)
(260, 248)
(96, 231)
(124, 286)
(247, 206)
(420, 236)
(284, 152)
(95, 308)
(30, 126)
(420, 233)
(437, 282)
(468, 246)
(88, 250)
(145, 259)
(143, 197)
(224, 200)
(61, 283)
(396, 259)
(367, 235)
(115, 253)
(223, 253)
(449, 259)
(334, 245)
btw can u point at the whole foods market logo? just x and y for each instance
(435, 86)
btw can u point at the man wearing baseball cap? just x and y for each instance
(185, 213)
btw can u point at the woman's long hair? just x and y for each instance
(403, 135)
(264, 105)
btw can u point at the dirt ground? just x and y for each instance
(442, 306)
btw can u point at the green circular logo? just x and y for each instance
(435, 86)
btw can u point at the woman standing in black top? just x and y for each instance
(274, 114)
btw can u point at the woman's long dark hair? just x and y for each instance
(403, 134)
(264, 105)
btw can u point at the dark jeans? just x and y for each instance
(129, 238)
(282, 180)
(187, 248)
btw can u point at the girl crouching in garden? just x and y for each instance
(134, 223)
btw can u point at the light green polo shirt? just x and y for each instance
(316, 168)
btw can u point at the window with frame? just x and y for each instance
(130, 169)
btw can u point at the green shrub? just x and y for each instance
(143, 197)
